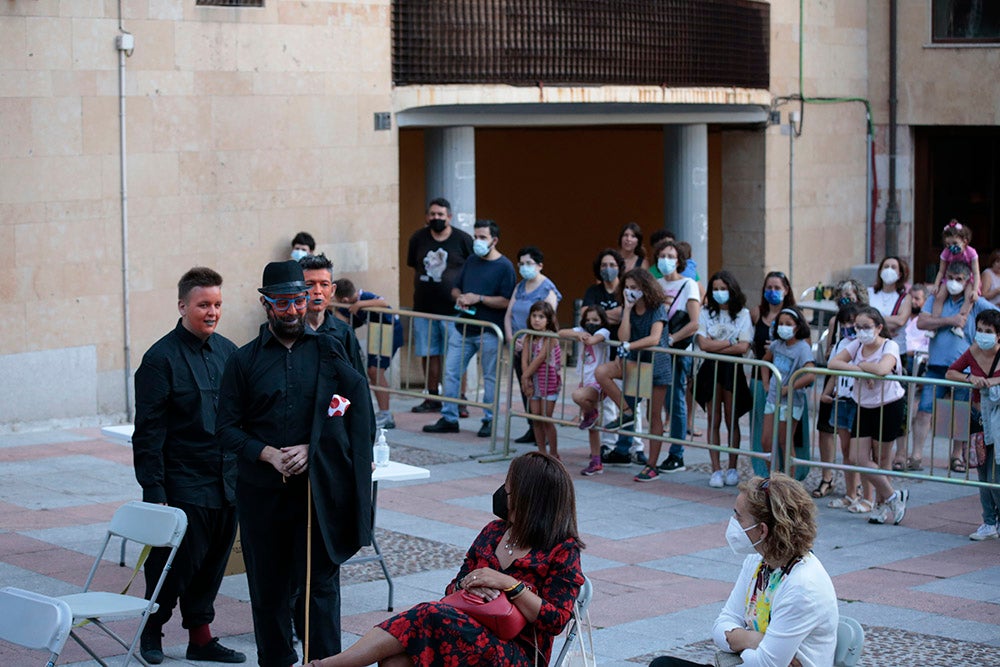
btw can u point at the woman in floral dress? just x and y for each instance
(534, 543)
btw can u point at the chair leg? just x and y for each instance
(130, 648)
(87, 648)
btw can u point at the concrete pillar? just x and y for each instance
(450, 167)
(685, 188)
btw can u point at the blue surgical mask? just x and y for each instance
(481, 247)
(774, 296)
(986, 340)
(785, 331)
(298, 253)
(955, 249)
(528, 271)
(848, 332)
(721, 296)
(608, 274)
(666, 265)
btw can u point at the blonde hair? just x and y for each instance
(784, 506)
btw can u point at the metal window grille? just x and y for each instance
(230, 3)
(583, 42)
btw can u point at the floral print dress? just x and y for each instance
(433, 633)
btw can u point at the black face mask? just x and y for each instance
(591, 328)
(500, 503)
(437, 224)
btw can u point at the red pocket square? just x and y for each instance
(338, 406)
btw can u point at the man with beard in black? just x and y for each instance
(298, 420)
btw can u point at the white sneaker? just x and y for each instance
(732, 477)
(715, 481)
(898, 505)
(881, 514)
(985, 532)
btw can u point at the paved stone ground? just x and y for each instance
(656, 552)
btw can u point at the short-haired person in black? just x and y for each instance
(481, 292)
(179, 462)
(303, 245)
(298, 420)
(318, 273)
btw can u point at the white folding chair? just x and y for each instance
(572, 628)
(850, 642)
(145, 523)
(34, 621)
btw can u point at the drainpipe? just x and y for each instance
(892, 207)
(124, 42)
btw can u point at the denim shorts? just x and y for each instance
(771, 408)
(428, 337)
(929, 392)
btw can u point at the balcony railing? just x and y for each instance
(676, 43)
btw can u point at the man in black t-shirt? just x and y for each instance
(437, 254)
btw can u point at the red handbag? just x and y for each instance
(499, 615)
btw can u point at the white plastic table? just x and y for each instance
(394, 472)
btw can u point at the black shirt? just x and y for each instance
(177, 457)
(268, 394)
(342, 332)
(596, 295)
(436, 265)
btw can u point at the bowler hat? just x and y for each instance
(283, 278)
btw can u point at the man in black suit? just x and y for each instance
(297, 443)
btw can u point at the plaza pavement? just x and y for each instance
(656, 552)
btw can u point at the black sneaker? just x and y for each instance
(442, 426)
(151, 645)
(616, 458)
(639, 457)
(623, 421)
(486, 430)
(672, 464)
(213, 651)
(528, 438)
(427, 406)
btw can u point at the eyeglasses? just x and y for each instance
(282, 305)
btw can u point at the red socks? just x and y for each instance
(200, 635)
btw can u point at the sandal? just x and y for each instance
(824, 489)
(914, 464)
(861, 506)
(899, 466)
(958, 465)
(841, 503)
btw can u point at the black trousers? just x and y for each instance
(273, 534)
(670, 661)
(198, 567)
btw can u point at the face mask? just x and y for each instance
(632, 295)
(738, 539)
(721, 296)
(437, 224)
(785, 332)
(955, 287)
(608, 274)
(986, 340)
(298, 254)
(955, 249)
(889, 276)
(591, 328)
(500, 503)
(844, 300)
(866, 336)
(666, 265)
(528, 271)
(848, 332)
(481, 247)
(774, 296)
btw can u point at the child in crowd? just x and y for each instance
(917, 340)
(541, 366)
(356, 300)
(593, 333)
(789, 351)
(957, 238)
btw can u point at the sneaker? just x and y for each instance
(463, 409)
(486, 430)
(716, 481)
(441, 426)
(151, 645)
(213, 651)
(385, 420)
(898, 506)
(672, 464)
(648, 474)
(616, 458)
(427, 406)
(732, 477)
(881, 514)
(985, 532)
(528, 438)
(588, 420)
(639, 457)
(622, 421)
(594, 467)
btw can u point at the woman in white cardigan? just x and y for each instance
(783, 609)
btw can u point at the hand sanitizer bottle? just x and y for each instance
(381, 450)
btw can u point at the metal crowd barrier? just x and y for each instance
(950, 420)
(378, 337)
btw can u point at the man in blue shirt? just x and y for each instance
(481, 292)
(953, 335)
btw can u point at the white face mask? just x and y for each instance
(631, 295)
(738, 539)
(986, 340)
(865, 336)
(955, 287)
(785, 332)
(481, 247)
(298, 254)
(889, 275)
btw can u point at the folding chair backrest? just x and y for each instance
(583, 599)
(146, 523)
(850, 642)
(33, 620)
